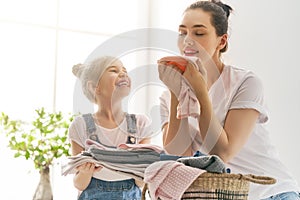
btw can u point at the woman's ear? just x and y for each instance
(223, 41)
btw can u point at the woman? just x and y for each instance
(232, 112)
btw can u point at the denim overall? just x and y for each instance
(111, 190)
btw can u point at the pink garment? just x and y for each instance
(155, 148)
(168, 180)
(92, 143)
(188, 102)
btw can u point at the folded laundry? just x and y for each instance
(131, 162)
(153, 147)
(135, 156)
(168, 180)
(133, 171)
(211, 163)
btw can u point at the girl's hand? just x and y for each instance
(88, 168)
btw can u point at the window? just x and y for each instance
(42, 40)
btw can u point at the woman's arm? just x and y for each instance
(223, 141)
(176, 138)
(228, 140)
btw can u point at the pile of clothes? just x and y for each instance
(167, 176)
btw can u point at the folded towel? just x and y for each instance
(152, 147)
(168, 180)
(212, 163)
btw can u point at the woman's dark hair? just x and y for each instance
(219, 15)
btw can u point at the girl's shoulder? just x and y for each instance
(78, 119)
(141, 117)
(78, 122)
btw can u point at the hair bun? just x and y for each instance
(78, 69)
(225, 7)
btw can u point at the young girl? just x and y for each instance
(105, 82)
(232, 112)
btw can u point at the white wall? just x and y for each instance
(264, 38)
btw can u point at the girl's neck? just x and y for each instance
(110, 111)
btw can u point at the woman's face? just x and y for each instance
(114, 82)
(197, 36)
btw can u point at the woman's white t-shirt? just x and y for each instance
(110, 137)
(241, 89)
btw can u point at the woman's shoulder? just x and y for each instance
(239, 74)
(238, 71)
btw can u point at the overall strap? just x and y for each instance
(131, 128)
(90, 126)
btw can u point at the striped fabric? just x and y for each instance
(215, 194)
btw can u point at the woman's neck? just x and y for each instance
(214, 68)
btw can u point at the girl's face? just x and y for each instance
(114, 81)
(197, 36)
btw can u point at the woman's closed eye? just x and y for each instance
(199, 34)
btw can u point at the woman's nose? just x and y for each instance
(188, 40)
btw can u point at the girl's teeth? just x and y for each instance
(122, 83)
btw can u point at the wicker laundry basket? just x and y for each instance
(221, 186)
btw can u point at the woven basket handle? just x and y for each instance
(264, 180)
(145, 188)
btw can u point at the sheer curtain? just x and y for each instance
(40, 42)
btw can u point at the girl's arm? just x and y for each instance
(85, 171)
(145, 141)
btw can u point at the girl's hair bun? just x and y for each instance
(78, 69)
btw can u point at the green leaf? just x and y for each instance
(40, 140)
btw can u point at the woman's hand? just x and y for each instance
(196, 76)
(171, 77)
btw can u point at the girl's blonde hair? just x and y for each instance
(91, 74)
